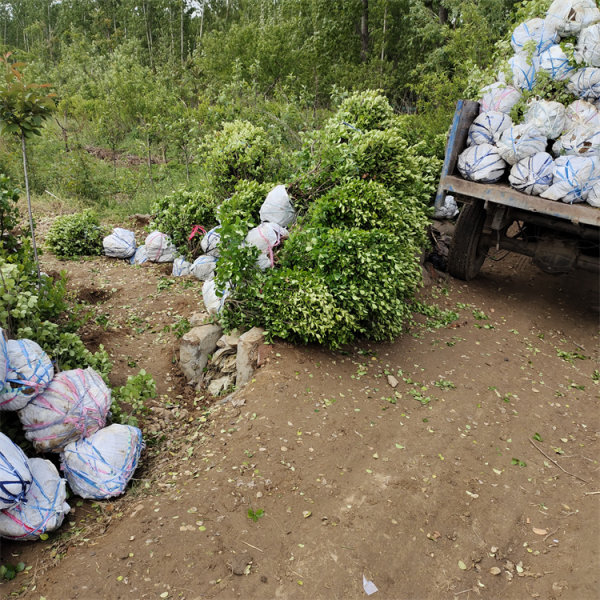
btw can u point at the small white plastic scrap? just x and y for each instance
(369, 587)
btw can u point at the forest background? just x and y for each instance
(141, 86)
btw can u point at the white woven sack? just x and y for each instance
(555, 62)
(585, 83)
(210, 242)
(15, 474)
(568, 17)
(181, 267)
(277, 208)
(520, 141)
(499, 97)
(43, 508)
(159, 248)
(487, 127)
(536, 33)
(547, 116)
(582, 140)
(523, 72)
(481, 163)
(3, 358)
(266, 237)
(533, 174)
(120, 243)
(594, 196)
(74, 405)
(588, 46)
(203, 267)
(581, 112)
(448, 210)
(101, 465)
(573, 179)
(140, 256)
(212, 302)
(30, 371)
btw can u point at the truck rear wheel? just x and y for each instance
(465, 256)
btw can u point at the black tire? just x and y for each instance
(465, 256)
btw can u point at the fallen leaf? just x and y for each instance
(461, 565)
(306, 514)
(540, 531)
(495, 571)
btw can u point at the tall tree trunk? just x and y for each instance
(31, 227)
(149, 159)
(181, 32)
(443, 15)
(364, 31)
(384, 32)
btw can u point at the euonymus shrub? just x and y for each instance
(79, 234)
(351, 265)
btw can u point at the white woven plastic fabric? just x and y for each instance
(574, 178)
(536, 33)
(448, 210)
(266, 237)
(181, 267)
(585, 83)
(101, 465)
(547, 116)
(73, 406)
(203, 267)
(277, 208)
(568, 17)
(588, 46)
(212, 302)
(481, 163)
(15, 474)
(523, 72)
(582, 140)
(487, 127)
(555, 62)
(594, 196)
(30, 371)
(210, 242)
(3, 358)
(159, 248)
(43, 508)
(533, 174)
(520, 141)
(499, 97)
(581, 112)
(120, 243)
(140, 256)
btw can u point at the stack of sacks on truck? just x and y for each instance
(554, 151)
(61, 413)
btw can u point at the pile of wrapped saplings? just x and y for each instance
(555, 151)
(63, 413)
(276, 213)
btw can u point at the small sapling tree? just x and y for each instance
(23, 109)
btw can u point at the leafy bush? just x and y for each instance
(351, 265)
(245, 203)
(178, 213)
(134, 393)
(9, 213)
(79, 234)
(239, 151)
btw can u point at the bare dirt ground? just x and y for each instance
(476, 477)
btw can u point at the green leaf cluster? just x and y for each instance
(79, 234)
(178, 213)
(351, 266)
(9, 213)
(129, 400)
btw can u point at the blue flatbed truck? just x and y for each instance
(559, 237)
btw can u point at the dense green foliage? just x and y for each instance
(350, 268)
(79, 234)
(129, 400)
(142, 91)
